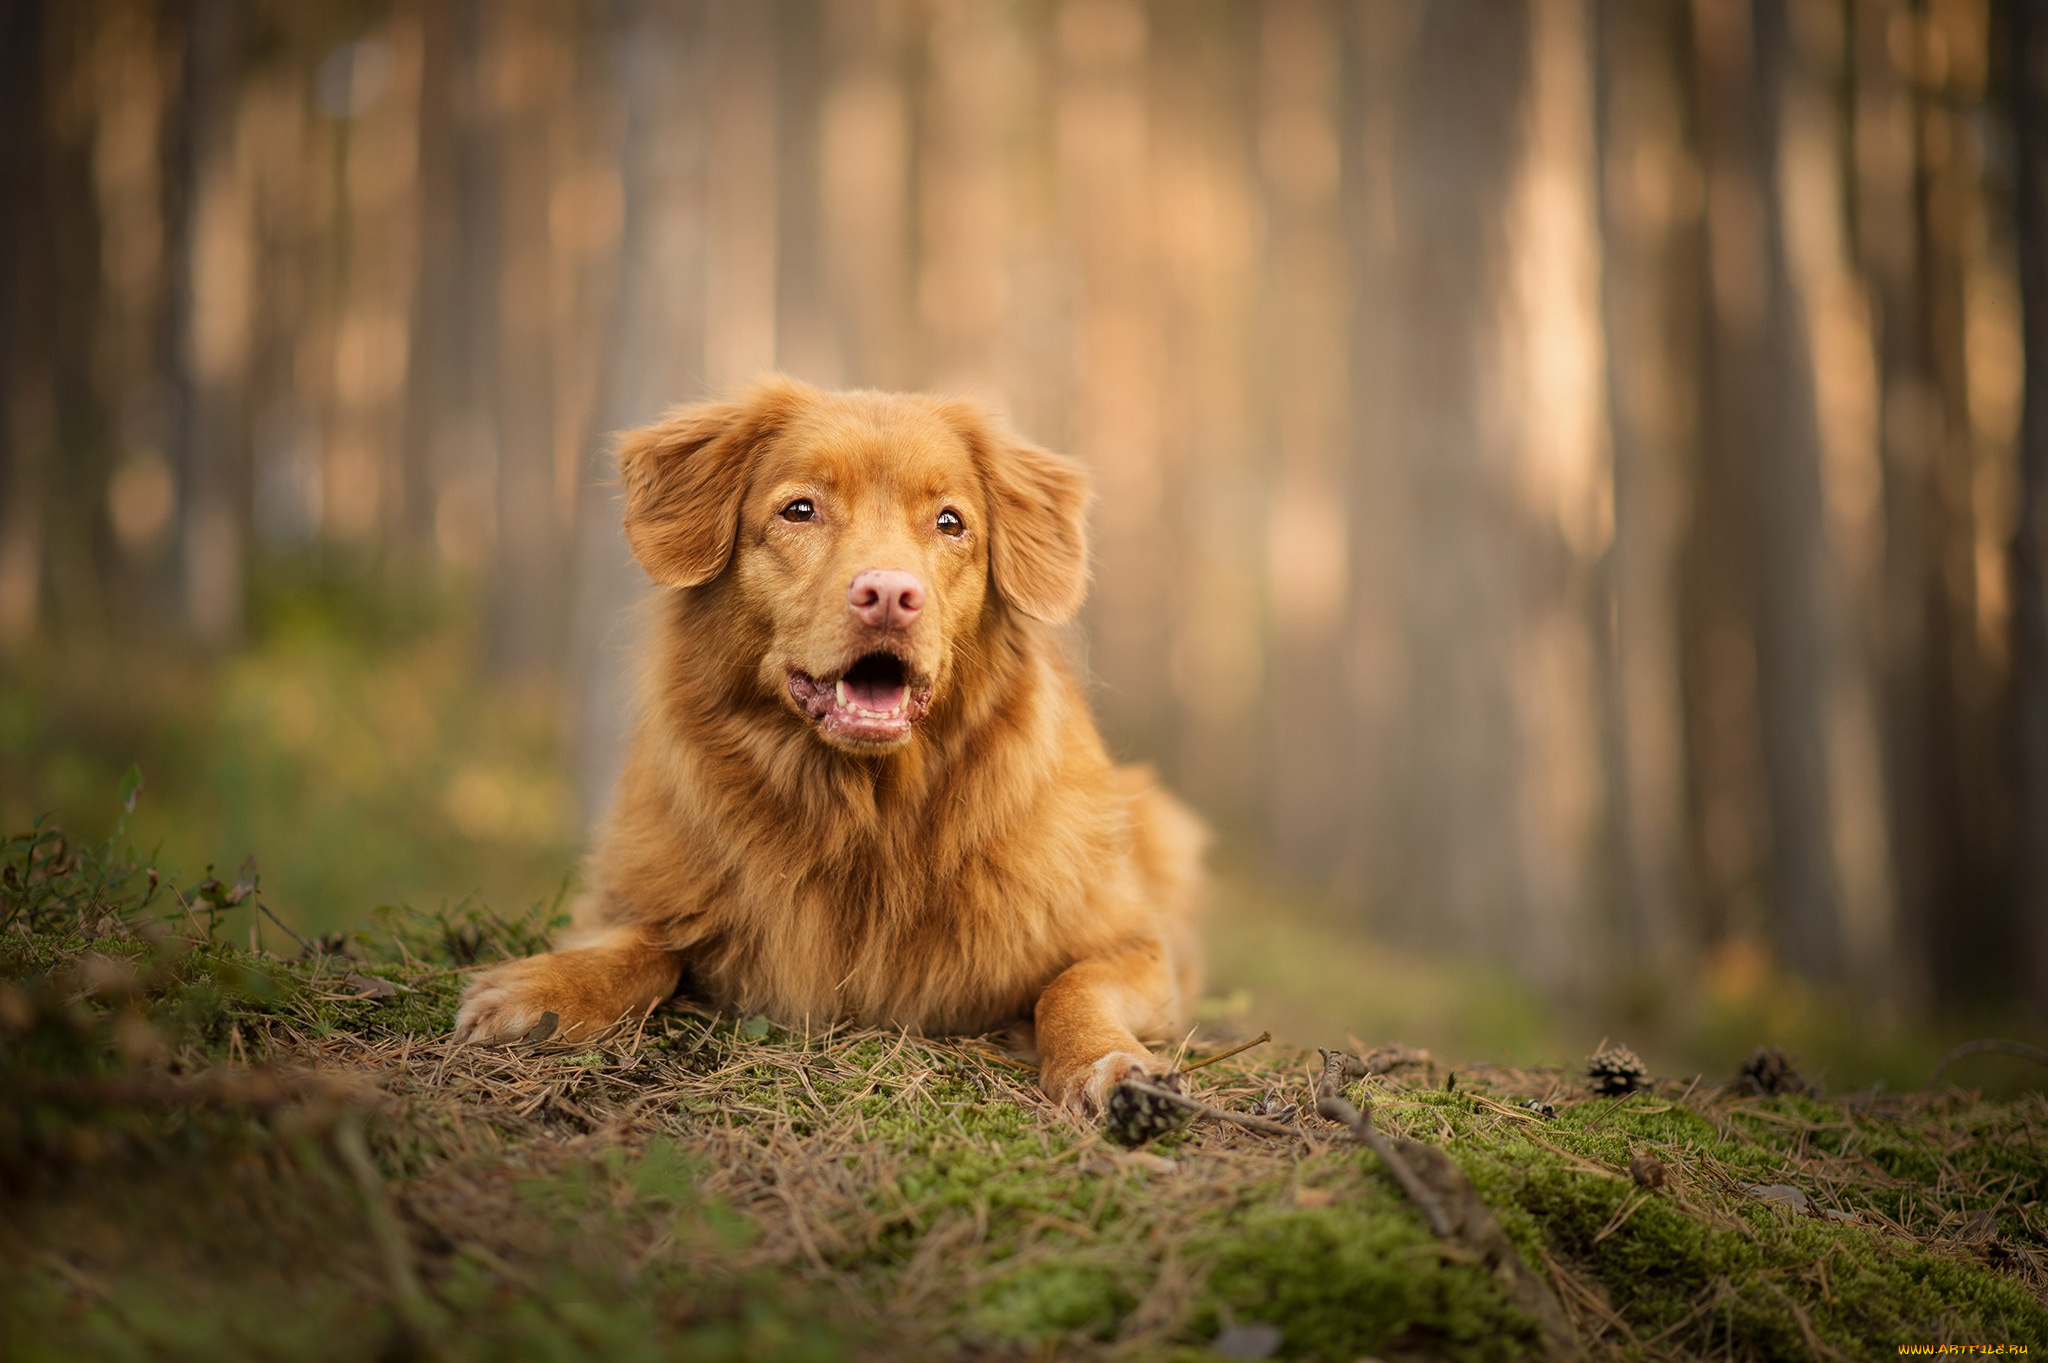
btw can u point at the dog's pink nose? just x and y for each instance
(886, 598)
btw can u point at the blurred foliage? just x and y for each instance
(354, 740)
(1293, 964)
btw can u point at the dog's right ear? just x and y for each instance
(685, 476)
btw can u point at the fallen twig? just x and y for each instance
(1448, 1202)
(1333, 1106)
(310, 948)
(2018, 1048)
(1201, 1109)
(1261, 1039)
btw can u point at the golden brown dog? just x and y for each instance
(864, 786)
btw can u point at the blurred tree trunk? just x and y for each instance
(1756, 610)
(1727, 791)
(287, 491)
(1305, 347)
(63, 419)
(740, 203)
(865, 140)
(1553, 361)
(1379, 511)
(25, 379)
(526, 65)
(806, 340)
(2027, 48)
(1963, 924)
(1888, 252)
(1830, 305)
(1103, 117)
(965, 175)
(1649, 203)
(434, 356)
(1794, 615)
(1451, 845)
(467, 444)
(213, 301)
(1220, 349)
(654, 358)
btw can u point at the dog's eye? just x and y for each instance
(799, 510)
(951, 524)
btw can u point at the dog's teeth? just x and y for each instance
(841, 692)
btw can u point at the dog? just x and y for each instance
(864, 785)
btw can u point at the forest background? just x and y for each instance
(1573, 474)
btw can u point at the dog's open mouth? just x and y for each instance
(876, 700)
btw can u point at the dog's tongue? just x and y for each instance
(874, 693)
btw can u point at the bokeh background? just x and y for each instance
(1572, 473)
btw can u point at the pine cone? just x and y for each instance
(1616, 1072)
(1770, 1071)
(1137, 1116)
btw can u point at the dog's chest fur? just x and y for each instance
(940, 892)
(907, 937)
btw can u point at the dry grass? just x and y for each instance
(207, 1150)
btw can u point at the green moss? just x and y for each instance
(1356, 1278)
(724, 1189)
(1727, 1286)
(1049, 1297)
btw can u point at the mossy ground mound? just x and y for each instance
(210, 1151)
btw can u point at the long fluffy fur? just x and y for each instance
(941, 886)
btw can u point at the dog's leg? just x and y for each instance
(588, 989)
(1089, 1019)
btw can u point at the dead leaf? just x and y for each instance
(370, 986)
(246, 881)
(1784, 1194)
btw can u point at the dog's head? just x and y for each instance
(863, 541)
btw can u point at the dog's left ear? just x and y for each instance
(1038, 518)
(685, 476)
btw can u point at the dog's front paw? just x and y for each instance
(1085, 1088)
(518, 1001)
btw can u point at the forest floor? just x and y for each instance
(210, 1151)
